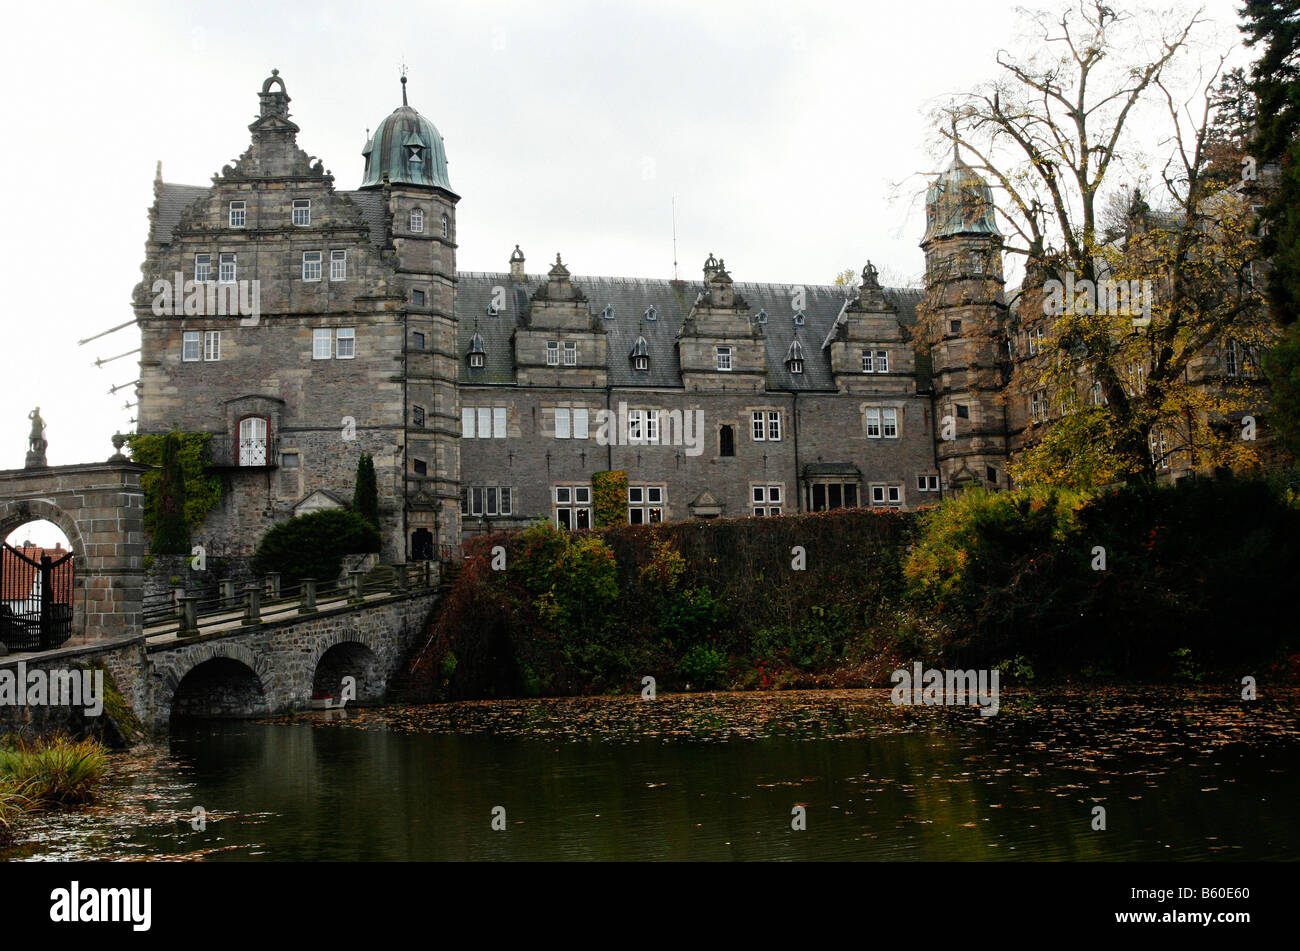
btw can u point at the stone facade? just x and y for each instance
(481, 395)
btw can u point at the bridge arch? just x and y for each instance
(220, 686)
(353, 655)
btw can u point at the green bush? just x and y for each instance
(703, 666)
(313, 545)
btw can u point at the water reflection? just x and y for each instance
(713, 777)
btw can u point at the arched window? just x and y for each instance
(252, 441)
(417, 220)
(726, 441)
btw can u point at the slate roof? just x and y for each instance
(171, 202)
(672, 300)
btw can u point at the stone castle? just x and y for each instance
(488, 400)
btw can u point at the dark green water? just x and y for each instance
(713, 777)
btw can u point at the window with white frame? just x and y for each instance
(572, 506)
(226, 269)
(642, 427)
(212, 345)
(1159, 448)
(724, 358)
(886, 496)
(553, 353)
(190, 346)
(1098, 394)
(311, 265)
(338, 265)
(572, 422)
(483, 422)
(570, 353)
(238, 214)
(1231, 358)
(446, 227)
(927, 482)
(766, 425)
(766, 499)
(1038, 405)
(645, 504)
(202, 268)
(322, 343)
(882, 422)
(1037, 338)
(302, 211)
(345, 343)
(417, 220)
(486, 500)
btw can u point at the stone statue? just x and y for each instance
(36, 442)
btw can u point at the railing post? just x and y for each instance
(227, 593)
(399, 576)
(308, 605)
(252, 605)
(189, 615)
(355, 576)
(273, 584)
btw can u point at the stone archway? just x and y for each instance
(220, 687)
(100, 508)
(348, 659)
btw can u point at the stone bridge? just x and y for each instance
(273, 668)
(281, 665)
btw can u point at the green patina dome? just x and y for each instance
(959, 202)
(408, 147)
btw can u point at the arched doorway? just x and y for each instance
(38, 587)
(421, 545)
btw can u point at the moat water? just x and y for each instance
(1181, 775)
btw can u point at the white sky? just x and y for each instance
(793, 135)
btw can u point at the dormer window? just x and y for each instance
(761, 317)
(794, 358)
(651, 313)
(640, 355)
(798, 318)
(302, 211)
(415, 154)
(609, 312)
(417, 221)
(477, 354)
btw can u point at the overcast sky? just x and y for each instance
(794, 137)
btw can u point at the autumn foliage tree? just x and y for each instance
(1055, 135)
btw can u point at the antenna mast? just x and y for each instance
(674, 237)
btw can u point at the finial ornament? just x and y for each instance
(956, 156)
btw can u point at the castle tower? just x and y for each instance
(963, 315)
(406, 163)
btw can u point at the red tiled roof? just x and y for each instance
(17, 577)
